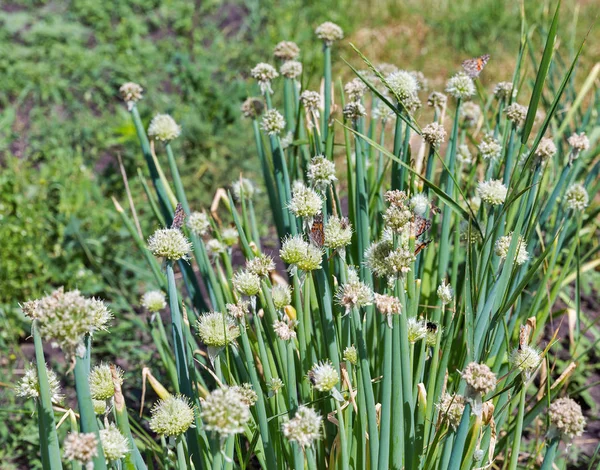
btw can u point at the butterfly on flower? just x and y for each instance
(420, 246)
(473, 67)
(317, 234)
(179, 217)
(420, 225)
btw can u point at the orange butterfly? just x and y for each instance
(420, 225)
(317, 234)
(473, 67)
(420, 246)
(179, 217)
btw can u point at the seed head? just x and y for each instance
(388, 305)
(252, 107)
(321, 172)
(243, 188)
(164, 128)
(503, 244)
(154, 301)
(329, 32)
(272, 122)
(397, 218)
(323, 376)
(101, 382)
(503, 90)
(275, 384)
(338, 232)
(131, 93)
(460, 86)
(479, 378)
(354, 110)
(286, 50)
(304, 428)
(401, 260)
(445, 293)
(260, 265)
(291, 69)
(546, 149)
(437, 100)
(490, 147)
(169, 243)
(225, 411)
(526, 359)
(172, 416)
(263, 73)
(354, 294)
(114, 444)
(415, 330)
(64, 318)
(246, 283)
(81, 447)
(230, 236)
(434, 134)
(451, 407)
(355, 89)
(470, 112)
(29, 387)
(351, 355)
(579, 142)
(403, 85)
(311, 100)
(576, 197)
(198, 223)
(247, 393)
(284, 330)
(282, 296)
(516, 113)
(492, 192)
(566, 416)
(217, 329)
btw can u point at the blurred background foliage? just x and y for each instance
(62, 123)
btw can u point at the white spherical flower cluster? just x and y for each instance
(479, 378)
(238, 310)
(437, 100)
(576, 197)
(503, 244)
(169, 243)
(388, 305)
(198, 223)
(470, 112)
(65, 318)
(526, 359)
(114, 444)
(215, 248)
(291, 69)
(305, 202)
(566, 417)
(383, 112)
(321, 172)
(354, 110)
(452, 408)
(489, 147)
(355, 89)
(516, 113)
(351, 355)
(131, 93)
(101, 382)
(403, 85)
(252, 107)
(385, 261)
(281, 295)
(503, 90)
(225, 411)
(230, 236)
(263, 73)
(260, 265)
(243, 188)
(419, 204)
(546, 149)
(415, 330)
(275, 384)
(154, 301)
(329, 32)
(172, 416)
(434, 134)
(217, 329)
(246, 283)
(323, 376)
(463, 154)
(164, 128)
(445, 292)
(286, 50)
(81, 447)
(354, 294)
(249, 396)
(579, 142)
(272, 122)
(460, 86)
(338, 232)
(492, 192)
(304, 428)
(29, 386)
(284, 330)
(311, 100)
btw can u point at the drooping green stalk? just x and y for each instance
(49, 447)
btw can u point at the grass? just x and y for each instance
(492, 297)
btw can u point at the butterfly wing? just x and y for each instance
(473, 67)
(179, 217)
(420, 225)
(317, 234)
(420, 246)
